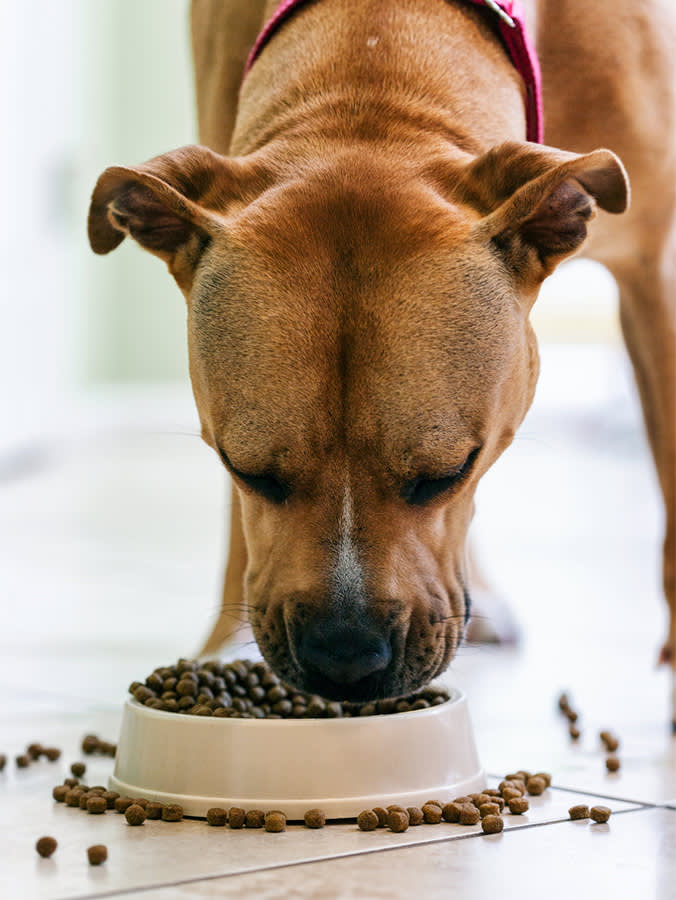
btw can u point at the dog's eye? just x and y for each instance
(422, 489)
(266, 485)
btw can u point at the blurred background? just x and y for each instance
(113, 522)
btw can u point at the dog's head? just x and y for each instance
(360, 354)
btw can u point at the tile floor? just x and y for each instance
(109, 564)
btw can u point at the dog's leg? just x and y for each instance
(232, 617)
(223, 32)
(648, 317)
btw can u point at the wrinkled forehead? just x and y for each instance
(401, 347)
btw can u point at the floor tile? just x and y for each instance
(632, 856)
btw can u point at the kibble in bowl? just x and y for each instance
(252, 753)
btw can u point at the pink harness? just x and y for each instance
(512, 27)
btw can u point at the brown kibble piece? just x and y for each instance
(492, 824)
(72, 798)
(275, 822)
(479, 799)
(71, 782)
(35, 751)
(415, 815)
(612, 763)
(236, 817)
(46, 846)
(599, 814)
(433, 803)
(90, 744)
(397, 820)
(3, 761)
(574, 732)
(172, 812)
(579, 812)
(382, 816)
(52, 753)
(135, 814)
(217, 816)
(59, 792)
(97, 854)
(154, 809)
(571, 715)
(78, 769)
(23, 761)
(122, 804)
(254, 818)
(535, 786)
(451, 811)
(315, 818)
(368, 820)
(545, 776)
(110, 797)
(563, 701)
(510, 793)
(489, 809)
(518, 805)
(431, 814)
(96, 805)
(469, 815)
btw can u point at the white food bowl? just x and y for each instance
(340, 765)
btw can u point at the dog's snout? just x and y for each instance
(343, 653)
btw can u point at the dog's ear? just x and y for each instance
(536, 202)
(171, 205)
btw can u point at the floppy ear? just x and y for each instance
(170, 205)
(537, 202)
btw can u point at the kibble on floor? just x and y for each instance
(46, 846)
(97, 854)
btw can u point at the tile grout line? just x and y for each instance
(346, 855)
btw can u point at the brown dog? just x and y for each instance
(359, 274)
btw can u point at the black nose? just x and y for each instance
(344, 653)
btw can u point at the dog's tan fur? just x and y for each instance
(359, 266)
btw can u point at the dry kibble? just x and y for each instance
(275, 821)
(46, 846)
(217, 816)
(479, 799)
(492, 824)
(96, 805)
(381, 815)
(154, 810)
(545, 776)
(579, 812)
(431, 814)
(610, 741)
(97, 854)
(72, 798)
(52, 753)
(110, 797)
(518, 805)
(535, 786)
(415, 815)
(90, 743)
(172, 812)
(121, 804)
(78, 769)
(254, 818)
(59, 792)
(3, 761)
(563, 701)
(489, 809)
(397, 820)
(599, 814)
(433, 803)
(510, 793)
(368, 820)
(84, 796)
(574, 732)
(135, 814)
(612, 763)
(141, 801)
(571, 715)
(35, 751)
(236, 817)
(451, 812)
(315, 818)
(71, 782)
(23, 761)
(469, 815)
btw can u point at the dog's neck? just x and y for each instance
(469, 95)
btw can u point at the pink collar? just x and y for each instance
(512, 27)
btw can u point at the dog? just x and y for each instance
(360, 239)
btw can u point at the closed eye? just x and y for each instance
(265, 485)
(424, 488)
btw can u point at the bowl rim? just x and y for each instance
(455, 696)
